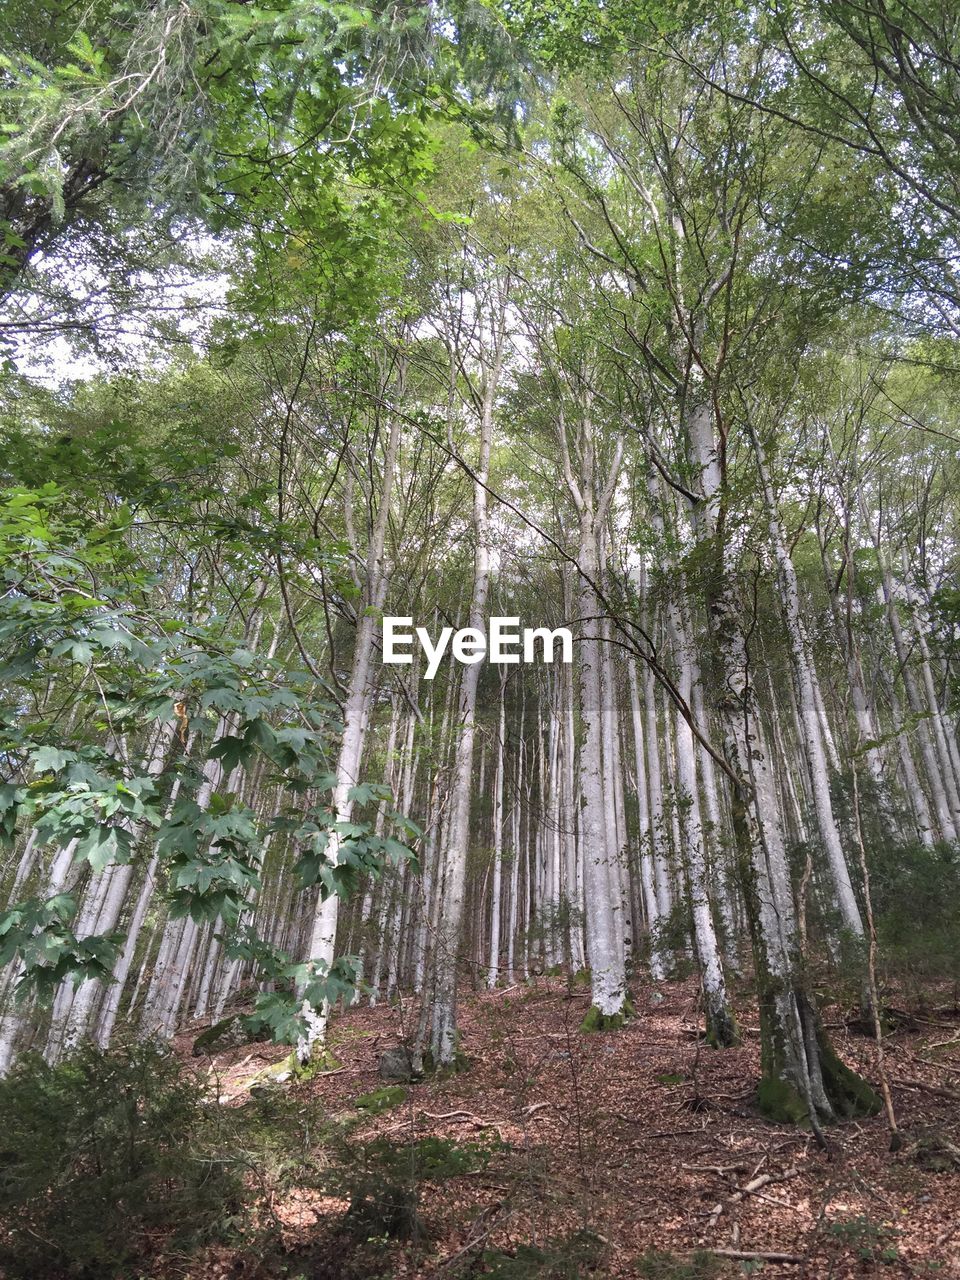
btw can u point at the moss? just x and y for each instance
(381, 1099)
(597, 1021)
(271, 1077)
(461, 1062)
(594, 1020)
(779, 1101)
(722, 1030)
(581, 980)
(320, 1062)
(849, 1093)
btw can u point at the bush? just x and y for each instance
(381, 1180)
(916, 896)
(559, 1258)
(101, 1155)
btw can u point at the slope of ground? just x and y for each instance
(620, 1154)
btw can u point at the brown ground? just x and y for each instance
(638, 1137)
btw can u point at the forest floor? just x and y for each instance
(620, 1154)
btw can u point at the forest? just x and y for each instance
(338, 939)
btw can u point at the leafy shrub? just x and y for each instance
(701, 1265)
(381, 1180)
(99, 1155)
(559, 1258)
(871, 1241)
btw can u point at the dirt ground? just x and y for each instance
(623, 1154)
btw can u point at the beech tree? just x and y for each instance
(674, 370)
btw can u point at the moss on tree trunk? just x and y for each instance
(801, 1069)
(722, 1029)
(597, 1021)
(803, 1080)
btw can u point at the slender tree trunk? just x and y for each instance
(321, 946)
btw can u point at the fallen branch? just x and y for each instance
(456, 1115)
(930, 1088)
(751, 1188)
(535, 1107)
(902, 1016)
(757, 1255)
(943, 1044)
(467, 1117)
(659, 1133)
(940, 1066)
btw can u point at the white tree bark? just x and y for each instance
(321, 945)
(493, 965)
(807, 700)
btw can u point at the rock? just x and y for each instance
(264, 1089)
(397, 1066)
(932, 1150)
(228, 1033)
(345, 1119)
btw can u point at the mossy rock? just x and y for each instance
(228, 1033)
(597, 1021)
(344, 1120)
(381, 1099)
(265, 1090)
(272, 1078)
(931, 1150)
(398, 1066)
(289, 1070)
(321, 1061)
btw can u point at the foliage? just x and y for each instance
(78, 605)
(872, 1241)
(99, 1153)
(559, 1258)
(912, 883)
(381, 1180)
(123, 117)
